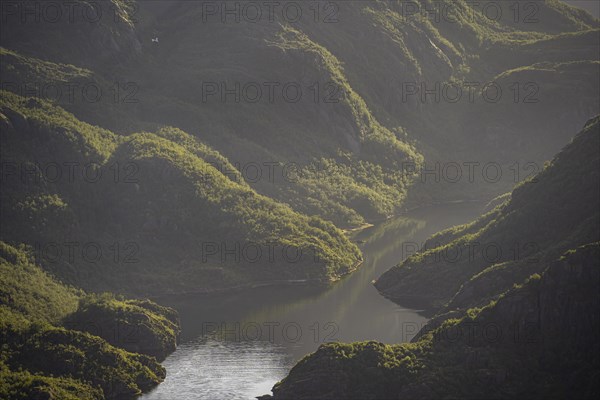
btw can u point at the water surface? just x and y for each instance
(238, 345)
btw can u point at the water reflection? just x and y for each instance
(237, 346)
(211, 369)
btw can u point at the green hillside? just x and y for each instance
(158, 148)
(354, 122)
(163, 214)
(536, 341)
(470, 265)
(512, 328)
(47, 351)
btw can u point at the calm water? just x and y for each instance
(237, 346)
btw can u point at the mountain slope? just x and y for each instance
(353, 123)
(47, 354)
(545, 216)
(164, 219)
(514, 328)
(536, 341)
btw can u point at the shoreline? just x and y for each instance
(314, 283)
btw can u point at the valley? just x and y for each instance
(377, 177)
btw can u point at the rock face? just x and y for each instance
(138, 326)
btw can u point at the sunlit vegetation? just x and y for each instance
(512, 327)
(529, 342)
(29, 291)
(138, 326)
(166, 186)
(46, 347)
(171, 202)
(474, 263)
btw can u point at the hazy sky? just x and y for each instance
(593, 6)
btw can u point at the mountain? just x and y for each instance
(154, 147)
(52, 347)
(213, 163)
(470, 265)
(148, 213)
(350, 121)
(520, 327)
(536, 341)
(590, 6)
